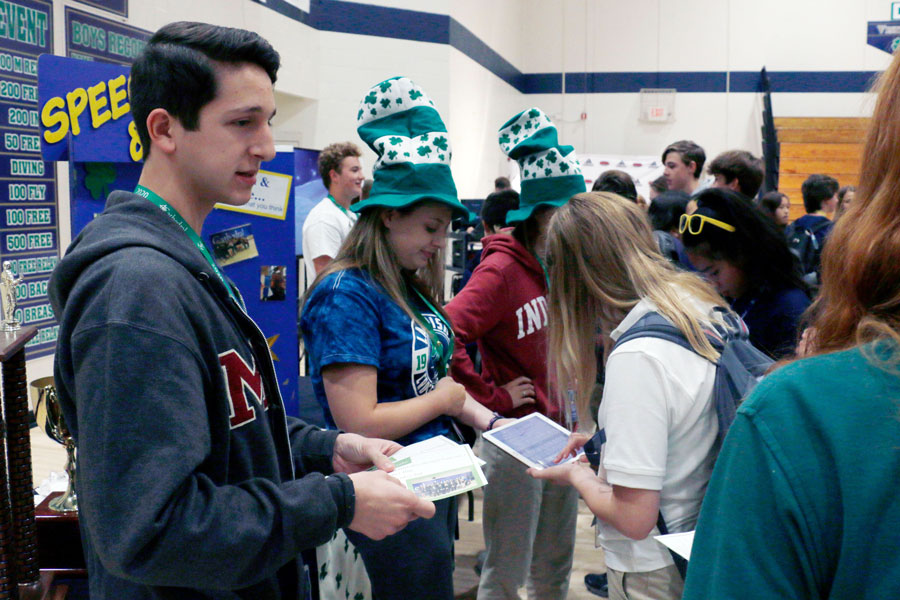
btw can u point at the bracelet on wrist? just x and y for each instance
(494, 419)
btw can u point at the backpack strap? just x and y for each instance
(655, 325)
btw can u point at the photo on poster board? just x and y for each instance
(268, 198)
(234, 245)
(272, 283)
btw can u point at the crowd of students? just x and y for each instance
(563, 274)
(799, 500)
(570, 274)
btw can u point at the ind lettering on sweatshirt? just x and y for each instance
(532, 316)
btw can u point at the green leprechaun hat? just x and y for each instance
(550, 173)
(399, 122)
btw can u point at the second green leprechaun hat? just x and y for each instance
(399, 122)
(550, 173)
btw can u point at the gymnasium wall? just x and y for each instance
(582, 61)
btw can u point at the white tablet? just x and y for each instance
(535, 440)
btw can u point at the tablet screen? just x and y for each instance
(535, 440)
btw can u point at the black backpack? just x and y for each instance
(804, 244)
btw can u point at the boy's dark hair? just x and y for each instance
(496, 205)
(816, 189)
(175, 70)
(332, 156)
(617, 182)
(502, 183)
(689, 151)
(740, 165)
(666, 210)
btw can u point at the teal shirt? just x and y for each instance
(804, 500)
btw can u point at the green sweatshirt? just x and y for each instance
(804, 501)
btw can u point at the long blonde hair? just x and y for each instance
(366, 247)
(603, 259)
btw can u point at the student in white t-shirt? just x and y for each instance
(657, 410)
(329, 222)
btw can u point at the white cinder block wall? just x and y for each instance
(324, 74)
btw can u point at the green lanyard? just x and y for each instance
(169, 210)
(340, 208)
(439, 352)
(546, 275)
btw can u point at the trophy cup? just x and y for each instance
(8, 283)
(49, 417)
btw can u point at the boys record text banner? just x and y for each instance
(93, 38)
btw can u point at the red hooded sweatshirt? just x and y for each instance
(504, 309)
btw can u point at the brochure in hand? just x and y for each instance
(438, 468)
(534, 439)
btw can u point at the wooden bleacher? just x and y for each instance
(828, 145)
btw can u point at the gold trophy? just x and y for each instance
(49, 417)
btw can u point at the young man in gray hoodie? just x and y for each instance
(192, 480)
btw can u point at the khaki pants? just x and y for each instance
(662, 584)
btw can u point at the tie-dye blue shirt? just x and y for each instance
(349, 318)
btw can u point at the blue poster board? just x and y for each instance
(85, 115)
(277, 319)
(29, 229)
(101, 162)
(91, 183)
(308, 191)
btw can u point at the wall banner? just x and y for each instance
(28, 214)
(84, 113)
(96, 39)
(884, 35)
(119, 7)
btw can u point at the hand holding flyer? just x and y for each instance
(438, 468)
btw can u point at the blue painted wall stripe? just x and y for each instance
(379, 21)
(287, 9)
(472, 46)
(632, 82)
(366, 19)
(541, 83)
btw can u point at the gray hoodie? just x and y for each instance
(192, 481)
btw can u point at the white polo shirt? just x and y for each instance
(324, 230)
(661, 426)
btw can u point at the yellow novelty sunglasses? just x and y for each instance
(693, 224)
